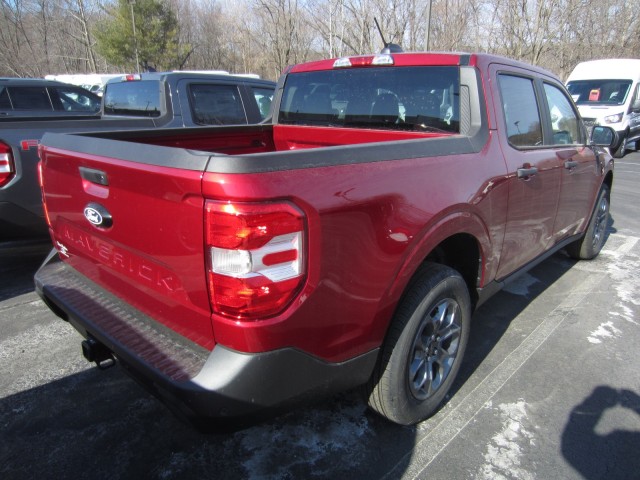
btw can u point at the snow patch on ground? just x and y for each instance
(623, 268)
(503, 454)
(308, 446)
(604, 331)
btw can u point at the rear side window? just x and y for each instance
(216, 104)
(564, 121)
(521, 113)
(30, 98)
(139, 98)
(5, 103)
(403, 98)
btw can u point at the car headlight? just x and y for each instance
(613, 118)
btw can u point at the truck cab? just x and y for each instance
(189, 99)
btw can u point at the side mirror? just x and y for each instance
(604, 136)
(635, 106)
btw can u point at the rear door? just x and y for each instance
(132, 223)
(534, 170)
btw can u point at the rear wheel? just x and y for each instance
(424, 347)
(592, 241)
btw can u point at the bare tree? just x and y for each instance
(264, 36)
(282, 32)
(79, 29)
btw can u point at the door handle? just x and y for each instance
(527, 172)
(569, 164)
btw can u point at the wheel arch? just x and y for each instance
(608, 179)
(460, 241)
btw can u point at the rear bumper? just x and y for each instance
(221, 387)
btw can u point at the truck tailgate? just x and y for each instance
(133, 227)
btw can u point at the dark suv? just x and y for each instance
(24, 97)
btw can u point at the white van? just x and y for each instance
(607, 92)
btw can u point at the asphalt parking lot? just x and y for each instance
(550, 389)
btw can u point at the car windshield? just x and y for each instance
(599, 92)
(140, 98)
(406, 98)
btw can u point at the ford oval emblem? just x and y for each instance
(97, 215)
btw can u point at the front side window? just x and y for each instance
(403, 98)
(564, 121)
(76, 100)
(216, 104)
(636, 98)
(521, 113)
(139, 98)
(599, 92)
(264, 97)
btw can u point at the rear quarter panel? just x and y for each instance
(370, 225)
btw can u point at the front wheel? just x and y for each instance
(622, 147)
(424, 347)
(590, 244)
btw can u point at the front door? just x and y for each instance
(580, 173)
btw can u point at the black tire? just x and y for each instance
(590, 244)
(622, 147)
(422, 353)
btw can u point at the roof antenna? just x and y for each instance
(388, 47)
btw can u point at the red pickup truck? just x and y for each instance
(235, 271)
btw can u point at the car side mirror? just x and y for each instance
(635, 106)
(604, 136)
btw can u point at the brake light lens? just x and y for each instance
(132, 77)
(256, 261)
(382, 59)
(7, 168)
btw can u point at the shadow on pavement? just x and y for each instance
(18, 265)
(612, 453)
(101, 425)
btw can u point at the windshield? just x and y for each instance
(139, 98)
(401, 98)
(599, 92)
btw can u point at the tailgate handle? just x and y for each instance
(94, 176)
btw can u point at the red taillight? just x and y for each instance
(7, 169)
(255, 257)
(132, 77)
